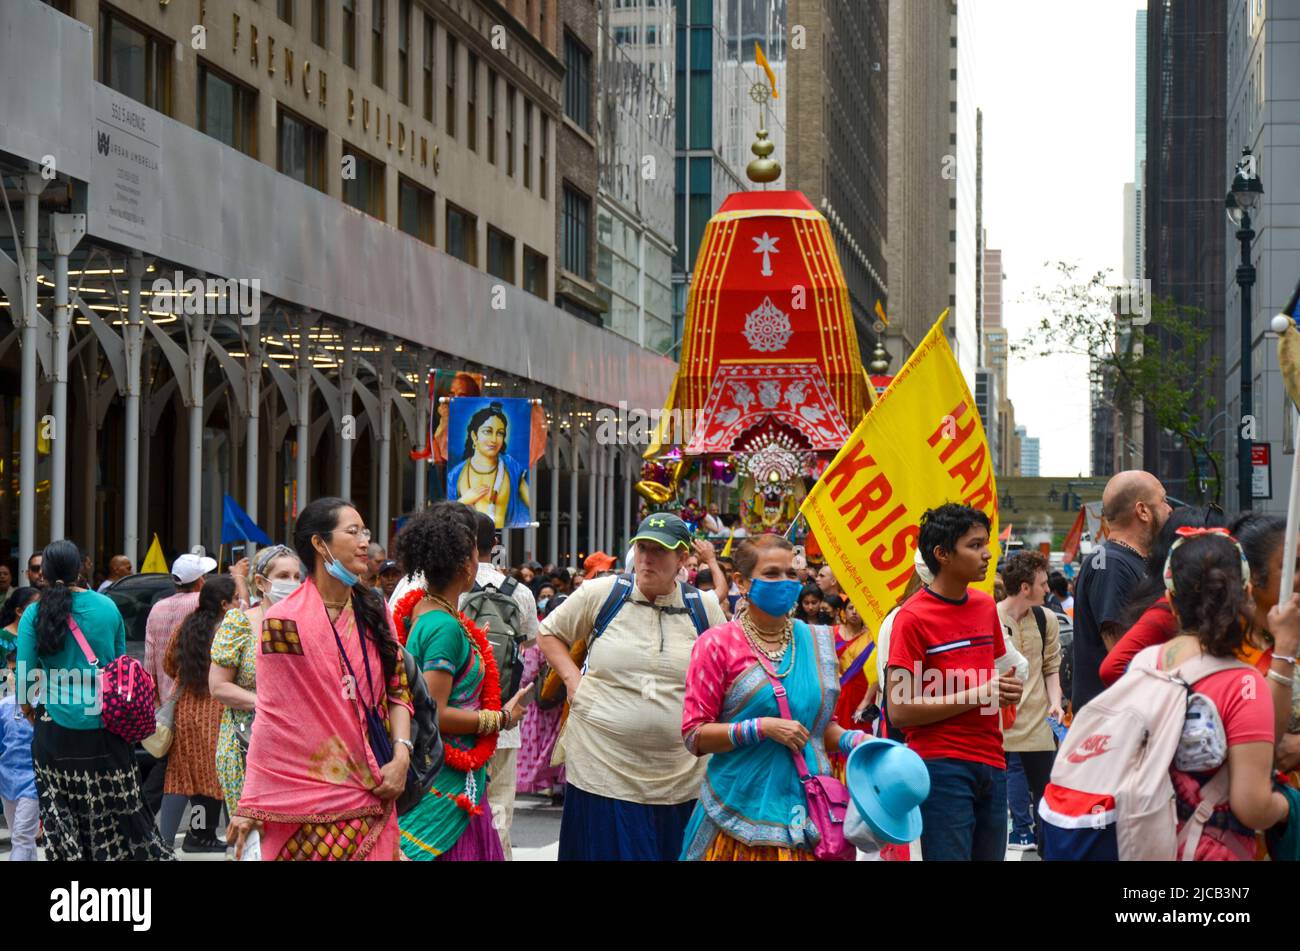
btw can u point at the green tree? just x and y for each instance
(1149, 351)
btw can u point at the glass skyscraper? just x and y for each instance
(716, 118)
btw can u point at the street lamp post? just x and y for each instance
(1241, 201)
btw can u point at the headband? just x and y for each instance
(267, 555)
(1187, 532)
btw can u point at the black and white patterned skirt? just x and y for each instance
(91, 805)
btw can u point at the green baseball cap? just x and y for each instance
(665, 529)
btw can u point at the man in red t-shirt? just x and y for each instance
(945, 691)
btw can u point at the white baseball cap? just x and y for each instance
(189, 567)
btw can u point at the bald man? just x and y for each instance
(1136, 507)
(119, 566)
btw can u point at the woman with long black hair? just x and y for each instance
(86, 777)
(192, 760)
(331, 748)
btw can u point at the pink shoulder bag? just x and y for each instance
(827, 798)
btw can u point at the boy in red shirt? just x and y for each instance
(945, 692)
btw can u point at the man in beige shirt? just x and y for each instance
(631, 782)
(1029, 742)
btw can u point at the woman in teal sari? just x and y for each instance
(453, 822)
(751, 805)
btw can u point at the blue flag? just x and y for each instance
(236, 526)
(1292, 309)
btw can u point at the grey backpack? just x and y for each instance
(495, 610)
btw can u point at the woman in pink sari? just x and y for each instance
(314, 789)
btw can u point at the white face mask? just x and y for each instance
(280, 589)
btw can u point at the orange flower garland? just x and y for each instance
(466, 761)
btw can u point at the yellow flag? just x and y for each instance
(767, 68)
(922, 444)
(880, 312)
(154, 560)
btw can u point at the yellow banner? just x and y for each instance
(922, 444)
(154, 560)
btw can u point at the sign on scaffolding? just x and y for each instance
(125, 198)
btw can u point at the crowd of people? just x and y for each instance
(678, 703)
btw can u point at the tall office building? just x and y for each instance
(1186, 182)
(716, 117)
(1263, 79)
(837, 124)
(634, 135)
(577, 165)
(997, 362)
(921, 208)
(963, 331)
(1136, 201)
(1029, 467)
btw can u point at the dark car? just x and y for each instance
(134, 596)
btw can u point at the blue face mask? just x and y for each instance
(776, 598)
(338, 572)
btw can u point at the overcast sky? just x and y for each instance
(1055, 79)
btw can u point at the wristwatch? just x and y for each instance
(410, 747)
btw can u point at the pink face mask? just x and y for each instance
(691, 573)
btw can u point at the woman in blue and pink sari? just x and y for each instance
(751, 805)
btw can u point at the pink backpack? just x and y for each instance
(126, 692)
(1111, 798)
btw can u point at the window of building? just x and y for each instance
(542, 150)
(284, 10)
(227, 110)
(377, 27)
(528, 143)
(577, 82)
(450, 115)
(577, 218)
(415, 210)
(471, 95)
(300, 149)
(429, 37)
(501, 255)
(492, 117)
(350, 33)
(404, 52)
(535, 273)
(510, 130)
(63, 6)
(462, 234)
(320, 12)
(365, 190)
(135, 61)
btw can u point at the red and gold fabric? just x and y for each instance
(767, 289)
(726, 849)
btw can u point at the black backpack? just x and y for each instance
(427, 756)
(1065, 629)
